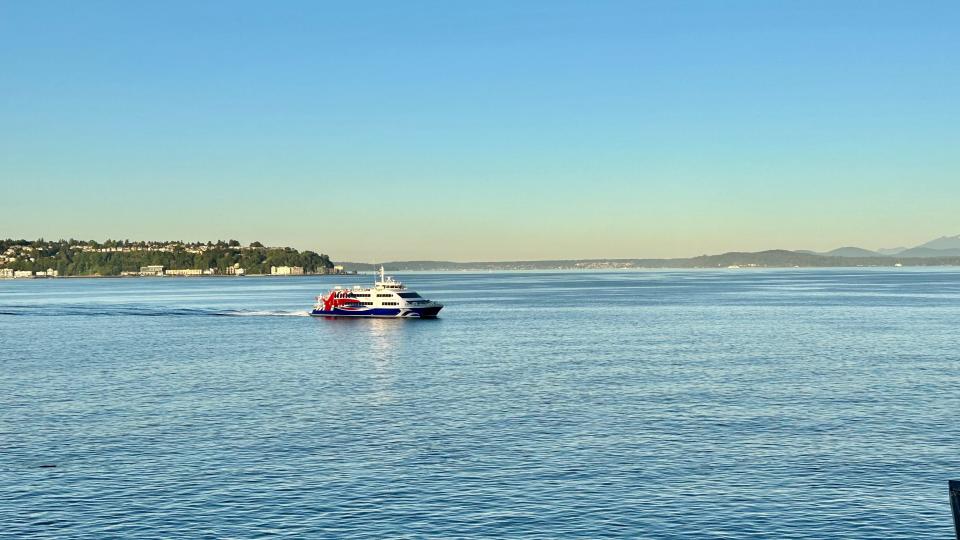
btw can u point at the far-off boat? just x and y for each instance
(387, 298)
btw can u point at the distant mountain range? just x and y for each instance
(850, 251)
(944, 251)
(945, 246)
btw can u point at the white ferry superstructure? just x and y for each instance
(387, 298)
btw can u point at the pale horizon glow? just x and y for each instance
(483, 132)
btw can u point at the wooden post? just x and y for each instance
(955, 505)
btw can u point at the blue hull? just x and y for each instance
(403, 313)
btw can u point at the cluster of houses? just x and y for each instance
(159, 270)
(17, 253)
(168, 248)
(10, 273)
(235, 270)
(298, 270)
(154, 247)
(28, 253)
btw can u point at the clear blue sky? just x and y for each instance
(483, 130)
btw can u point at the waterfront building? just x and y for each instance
(152, 270)
(184, 272)
(6, 273)
(22, 274)
(286, 270)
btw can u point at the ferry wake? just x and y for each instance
(387, 298)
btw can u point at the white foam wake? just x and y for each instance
(268, 313)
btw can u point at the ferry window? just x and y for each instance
(384, 295)
(408, 295)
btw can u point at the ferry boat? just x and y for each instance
(387, 298)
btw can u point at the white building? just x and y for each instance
(184, 272)
(286, 270)
(152, 270)
(6, 273)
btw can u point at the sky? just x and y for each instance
(483, 130)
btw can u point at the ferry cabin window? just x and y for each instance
(408, 295)
(361, 295)
(384, 295)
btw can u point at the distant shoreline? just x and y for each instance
(202, 276)
(491, 270)
(761, 259)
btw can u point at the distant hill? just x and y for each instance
(943, 243)
(851, 251)
(769, 258)
(115, 257)
(945, 246)
(927, 252)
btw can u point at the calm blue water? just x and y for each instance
(709, 404)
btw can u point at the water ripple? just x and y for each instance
(763, 404)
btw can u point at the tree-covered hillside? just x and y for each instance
(111, 258)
